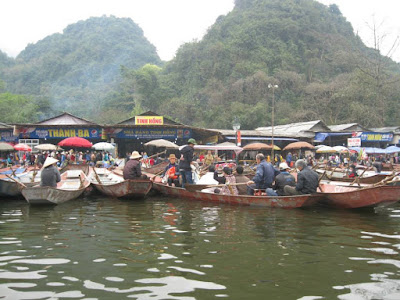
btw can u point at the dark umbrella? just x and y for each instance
(75, 142)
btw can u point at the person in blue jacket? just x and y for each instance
(265, 175)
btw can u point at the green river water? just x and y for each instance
(163, 248)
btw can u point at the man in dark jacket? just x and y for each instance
(50, 175)
(265, 175)
(282, 180)
(307, 181)
(185, 161)
(132, 169)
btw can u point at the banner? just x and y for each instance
(8, 136)
(58, 133)
(374, 136)
(149, 120)
(354, 142)
(151, 133)
(239, 138)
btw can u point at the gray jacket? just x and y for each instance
(50, 176)
(307, 181)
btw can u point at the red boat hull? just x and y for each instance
(265, 201)
(353, 197)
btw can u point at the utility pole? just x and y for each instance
(273, 87)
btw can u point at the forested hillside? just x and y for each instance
(104, 69)
(76, 69)
(309, 50)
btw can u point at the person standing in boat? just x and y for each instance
(50, 174)
(132, 169)
(186, 159)
(281, 180)
(265, 175)
(307, 181)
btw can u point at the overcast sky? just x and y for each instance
(166, 23)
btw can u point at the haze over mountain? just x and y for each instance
(104, 69)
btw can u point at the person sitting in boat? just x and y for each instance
(353, 172)
(209, 158)
(229, 181)
(265, 175)
(307, 181)
(240, 178)
(187, 159)
(281, 180)
(132, 169)
(208, 178)
(171, 172)
(50, 174)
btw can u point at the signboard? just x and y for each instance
(354, 142)
(239, 138)
(58, 133)
(374, 136)
(151, 133)
(149, 120)
(8, 136)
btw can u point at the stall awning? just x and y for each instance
(321, 136)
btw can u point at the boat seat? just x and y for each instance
(70, 185)
(73, 173)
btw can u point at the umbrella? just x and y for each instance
(162, 143)
(319, 146)
(326, 149)
(103, 146)
(22, 147)
(76, 142)
(340, 149)
(298, 145)
(260, 146)
(6, 147)
(48, 147)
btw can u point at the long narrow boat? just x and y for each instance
(366, 178)
(73, 183)
(354, 197)
(264, 201)
(116, 186)
(11, 187)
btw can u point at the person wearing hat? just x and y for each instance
(50, 174)
(185, 161)
(132, 169)
(171, 172)
(281, 180)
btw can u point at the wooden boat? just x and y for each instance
(157, 169)
(11, 187)
(263, 201)
(354, 197)
(83, 167)
(73, 183)
(366, 180)
(114, 185)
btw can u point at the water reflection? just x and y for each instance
(165, 248)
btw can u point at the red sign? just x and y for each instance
(239, 138)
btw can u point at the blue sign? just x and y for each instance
(153, 133)
(59, 133)
(376, 136)
(7, 136)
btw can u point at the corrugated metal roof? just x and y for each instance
(5, 126)
(386, 129)
(347, 127)
(295, 128)
(66, 119)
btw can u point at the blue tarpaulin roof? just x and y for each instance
(373, 150)
(321, 136)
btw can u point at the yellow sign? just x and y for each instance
(149, 120)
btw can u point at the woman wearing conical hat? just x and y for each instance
(50, 174)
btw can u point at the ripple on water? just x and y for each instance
(23, 275)
(165, 287)
(114, 279)
(42, 261)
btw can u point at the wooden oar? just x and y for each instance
(96, 175)
(358, 177)
(13, 172)
(157, 154)
(20, 184)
